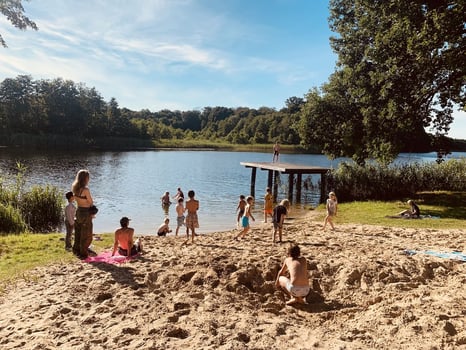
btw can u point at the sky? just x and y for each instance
(179, 54)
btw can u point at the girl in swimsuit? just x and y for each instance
(83, 223)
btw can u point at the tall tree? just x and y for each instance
(401, 64)
(13, 10)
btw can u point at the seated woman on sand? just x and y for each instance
(412, 212)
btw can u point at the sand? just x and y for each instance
(219, 294)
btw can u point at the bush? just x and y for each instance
(11, 220)
(42, 208)
(377, 182)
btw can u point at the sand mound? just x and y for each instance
(220, 294)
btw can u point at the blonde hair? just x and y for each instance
(285, 203)
(82, 178)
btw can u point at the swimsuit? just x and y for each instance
(180, 220)
(134, 250)
(192, 221)
(297, 291)
(245, 221)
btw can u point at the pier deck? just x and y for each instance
(286, 168)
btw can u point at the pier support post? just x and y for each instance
(275, 186)
(270, 179)
(323, 187)
(290, 187)
(298, 187)
(253, 182)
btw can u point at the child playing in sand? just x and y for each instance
(240, 208)
(332, 207)
(192, 222)
(180, 215)
(278, 218)
(163, 228)
(268, 203)
(245, 218)
(297, 286)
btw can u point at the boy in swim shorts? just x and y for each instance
(245, 218)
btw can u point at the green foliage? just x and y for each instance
(373, 182)
(13, 10)
(399, 70)
(42, 208)
(38, 209)
(11, 220)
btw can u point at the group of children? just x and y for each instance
(191, 220)
(277, 214)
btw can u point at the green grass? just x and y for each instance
(199, 143)
(20, 253)
(448, 207)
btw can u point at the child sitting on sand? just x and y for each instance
(163, 228)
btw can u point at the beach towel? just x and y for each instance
(412, 217)
(106, 257)
(446, 255)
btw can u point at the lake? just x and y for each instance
(131, 183)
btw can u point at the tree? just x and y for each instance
(13, 10)
(400, 69)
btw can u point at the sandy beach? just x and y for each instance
(219, 294)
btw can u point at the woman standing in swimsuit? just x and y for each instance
(83, 223)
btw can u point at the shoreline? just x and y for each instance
(220, 294)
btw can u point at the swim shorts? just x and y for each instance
(297, 291)
(245, 221)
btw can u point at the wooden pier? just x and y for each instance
(286, 168)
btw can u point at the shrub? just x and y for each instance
(378, 182)
(11, 220)
(42, 208)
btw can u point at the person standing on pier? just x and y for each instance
(276, 152)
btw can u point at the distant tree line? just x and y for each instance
(62, 107)
(63, 112)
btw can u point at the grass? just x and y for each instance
(448, 210)
(200, 143)
(19, 254)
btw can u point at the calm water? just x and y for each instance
(131, 183)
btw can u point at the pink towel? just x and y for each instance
(106, 257)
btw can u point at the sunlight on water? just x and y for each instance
(131, 183)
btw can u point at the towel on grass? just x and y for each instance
(412, 217)
(106, 257)
(446, 255)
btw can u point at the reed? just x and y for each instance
(39, 209)
(375, 182)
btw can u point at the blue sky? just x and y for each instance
(179, 54)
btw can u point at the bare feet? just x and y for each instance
(297, 300)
